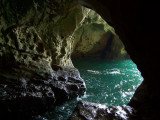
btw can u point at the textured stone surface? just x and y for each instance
(26, 92)
(93, 111)
(41, 31)
(36, 72)
(36, 39)
(95, 38)
(35, 43)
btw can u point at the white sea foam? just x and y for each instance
(94, 71)
(113, 71)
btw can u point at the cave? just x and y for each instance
(36, 70)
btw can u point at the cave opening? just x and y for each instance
(36, 70)
(110, 75)
(103, 62)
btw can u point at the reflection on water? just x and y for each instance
(108, 83)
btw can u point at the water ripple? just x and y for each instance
(109, 83)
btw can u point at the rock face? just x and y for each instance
(36, 40)
(92, 111)
(136, 22)
(39, 31)
(25, 92)
(36, 37)
(95, 38)
(36, 72)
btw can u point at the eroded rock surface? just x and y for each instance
(26, 92)
(95, 38)
(36, 72)
(93, 111)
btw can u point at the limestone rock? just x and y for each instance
(36, 71)
(26, 92)
(40, 31)
(93, 111)
(95, 38)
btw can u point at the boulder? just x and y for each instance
(26, 92)
(93, 111)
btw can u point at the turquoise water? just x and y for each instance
(109, 83)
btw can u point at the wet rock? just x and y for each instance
(93, 111)
(23, 97)
(36, 71)
(20, 98)
(70, 86)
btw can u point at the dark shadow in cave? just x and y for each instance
(108, 46)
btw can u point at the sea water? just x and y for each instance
(110, 83)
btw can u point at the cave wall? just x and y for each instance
(35, 49)
(95, 38)
(36, 71)
(137, 23)
(37, 31)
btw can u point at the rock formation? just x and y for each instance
(95, 38)
(36, 41)
(36, 37)
(36, 72)
(136, 23)
(92, 111)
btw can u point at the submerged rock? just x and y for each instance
(93, 111)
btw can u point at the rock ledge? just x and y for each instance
(93, 111)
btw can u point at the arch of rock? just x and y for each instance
(137, 24)
(36, 36)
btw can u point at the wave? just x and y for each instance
(94, 72)
(113, 71)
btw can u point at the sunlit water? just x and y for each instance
(109, 83)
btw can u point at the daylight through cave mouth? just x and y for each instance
(38, 39)
(111, 77)
(96, 39)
